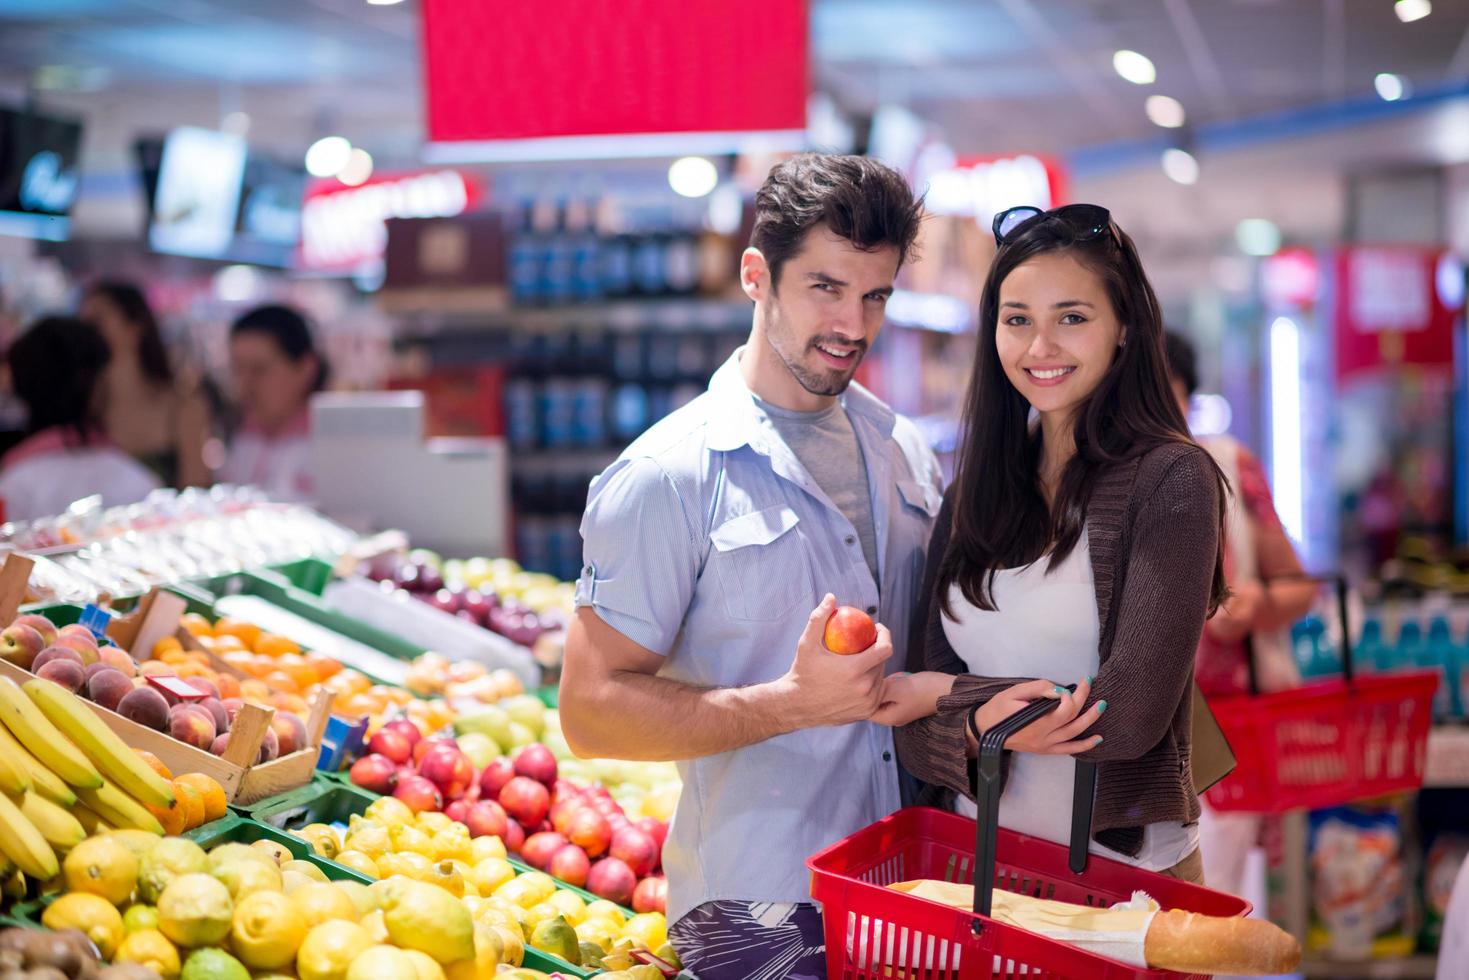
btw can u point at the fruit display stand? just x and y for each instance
(329, 802)
(237, 771)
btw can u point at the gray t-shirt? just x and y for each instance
(826, 445)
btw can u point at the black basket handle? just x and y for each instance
(1348, 667)
(987, 801)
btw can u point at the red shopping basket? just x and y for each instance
(875, 933)
(1329, 742)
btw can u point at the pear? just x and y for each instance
(555, 936)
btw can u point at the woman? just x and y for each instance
(56, 368)
(1268, 592)
(148, 409)
(1078, 543)
(275, 369)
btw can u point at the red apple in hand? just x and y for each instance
(571, 865)
(849, 630)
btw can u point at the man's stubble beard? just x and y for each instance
(825, 381)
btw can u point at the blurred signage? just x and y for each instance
(561, 71)
(198, 195)
(1291, 278)
(1389, 311)
(982, 187)
(344, 228)
(38, 173)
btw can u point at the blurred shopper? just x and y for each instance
(275, 368)
(150, 410)
(708, 542)
(56, 369)
(1268, 592)
(1453, 951)
(1078, 544)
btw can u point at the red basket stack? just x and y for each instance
(875, 933)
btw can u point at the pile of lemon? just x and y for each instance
(243, 911)
(388, 840)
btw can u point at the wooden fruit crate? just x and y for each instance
(244, 780)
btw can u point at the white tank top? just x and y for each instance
(1045, 625)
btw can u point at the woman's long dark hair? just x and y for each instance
(55, 369)
(1001, 517)
(133, 305)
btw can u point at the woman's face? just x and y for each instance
(119, 332)
(1056, 333)
(270, 388)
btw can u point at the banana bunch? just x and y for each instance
(63, 776)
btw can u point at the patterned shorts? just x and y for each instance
(751, 941)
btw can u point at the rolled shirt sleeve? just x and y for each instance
(640, 559)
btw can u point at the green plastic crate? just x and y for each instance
(317, 785)
(309, 574)
(330, 803)
(244, 830)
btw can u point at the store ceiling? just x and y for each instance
(995, 75)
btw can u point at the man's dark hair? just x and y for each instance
(866, 202)
(55, 368)
(1183, 365)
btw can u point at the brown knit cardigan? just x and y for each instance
(1153, 527)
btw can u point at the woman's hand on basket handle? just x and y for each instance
(1058, 732)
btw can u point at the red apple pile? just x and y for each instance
(577, 834)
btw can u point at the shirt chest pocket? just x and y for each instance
(762, 569)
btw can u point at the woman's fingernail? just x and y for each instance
(1088, 678)
(1101, 706)
(1059, 690)
(1099, 740)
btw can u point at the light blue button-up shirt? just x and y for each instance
(709, 543)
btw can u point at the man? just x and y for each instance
(709, 541)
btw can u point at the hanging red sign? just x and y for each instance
(567, 68)
(1389, 311)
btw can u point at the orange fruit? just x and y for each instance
(230, 642)
(279, 680)
(247, 633)
(303, 674)
(196, 624)
(237, 660)
(150, 667)
(295, 704)
(210, 792)
(174, 818)
(229, 685)
(172, 657)
(154, 763)
(193, 804)
(167, 644)
(325, 666)
(255, 690)
(275, 645)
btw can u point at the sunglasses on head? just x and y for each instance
(1084, 221)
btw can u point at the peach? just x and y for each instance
(191, 725)
(64, 672)
(57, 653)
(117, 659)
(21, 644)
(107, 686)
(145, 706)
(216, 713)
(290, 732)
(41, 625)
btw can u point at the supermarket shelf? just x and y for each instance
(1448, 757)
(1407, 968)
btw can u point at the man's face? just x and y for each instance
(826, 309)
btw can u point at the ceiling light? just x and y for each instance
(692, 176)
(357, 169)
(1180, 166)
(1136, 68)
(1411, 10)
(1165, 111)
(1391, 87)
(1257, 236)
(328, 156)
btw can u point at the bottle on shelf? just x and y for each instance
(1315, 654)
(1371, 653)
(525, 259)
(1439, 653)
(560, 256)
